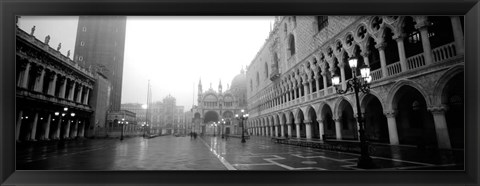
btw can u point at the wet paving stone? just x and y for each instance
(203, 153)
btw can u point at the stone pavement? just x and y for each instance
(203, 153)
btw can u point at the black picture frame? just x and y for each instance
(10, 8)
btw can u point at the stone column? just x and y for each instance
(67, 129)
(427, 50)
(441, 128)
(305, 89)
(23, 80)
(308, 129)
(72, 91)
(34, 127)
(338, 128)
(392, 127)
(19, 124)
(317, 83)
(271, 131)
(401, 52)
(80, 93)
(46, 135)
(276, 131)
(297, 129)
(59, 127)
(52, 85)
(39, 80)
(458, 35)
(289, 130)
(82, 131)
(87, 94)
(383, 61)
(282, 130)
(73, 132)
(63, 87)
(320, 128)
(365, 58)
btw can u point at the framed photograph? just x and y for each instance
(235, 93)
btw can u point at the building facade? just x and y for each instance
(213, 106)
(417, 69)
(53, 93)
(100, 43)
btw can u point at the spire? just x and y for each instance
(200, 86)
(220, 86)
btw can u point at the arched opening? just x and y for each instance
(414, 122)
(413, 40)
(391, 50)
(453, 97)
(284, 119)
(314, 124)
(291, 44)
(210, 116)
(300, 118)
(346, 67)
(328, 123)
(376, 126)
(292, 122)
(258, 79)
(373, 55)
(328, 75)
(348, 121)
(357, 52)
(440, 31)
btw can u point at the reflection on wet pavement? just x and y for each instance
(203, 153)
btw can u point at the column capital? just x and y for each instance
(307, 122)
(337, 118)
(320, 120)
(390, 114)
(438, 109)
(381, 45)
(341, 64)
(399, 37)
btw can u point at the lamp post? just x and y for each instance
(222, 127)
(214, 126)
(121, 123)
(241, 118)
(356, 85)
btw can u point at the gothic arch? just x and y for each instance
(336, 108)
(393, 92)
(438, 92)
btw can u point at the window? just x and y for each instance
(322, 22)
(266, 71)
(258, 79)
(84, 29)
(291, 44)
(82, 43)
(80, 58)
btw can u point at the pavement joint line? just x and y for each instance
(254, 164)
(222, 160)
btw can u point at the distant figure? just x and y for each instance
(194, 135)
(68, 54)
(47, 39)
(33, 31)
(59, 46)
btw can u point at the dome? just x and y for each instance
(239, 82)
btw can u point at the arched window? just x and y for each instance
(440, 31)
(391, 50)
(413, 41)
(322, 22)
(266, 70)
(291, 44)
(258, 79)
(373, 55)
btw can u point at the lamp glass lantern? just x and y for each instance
(352, 62)
(336, 80)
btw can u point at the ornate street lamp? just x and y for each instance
(356, 85)
(241, 119)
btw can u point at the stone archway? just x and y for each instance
(348, 123)
(376, 126)
(453, 98)
(314, 123)
(414, 122)
(328, 122)
(210, 116)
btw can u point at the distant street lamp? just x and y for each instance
(214, 126)
(222, 123)
(241, 118)
(356, 85)
(121, 123)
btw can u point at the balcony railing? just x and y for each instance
(444, 52)
(394, 68)
(415, 61)
(376, 74)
